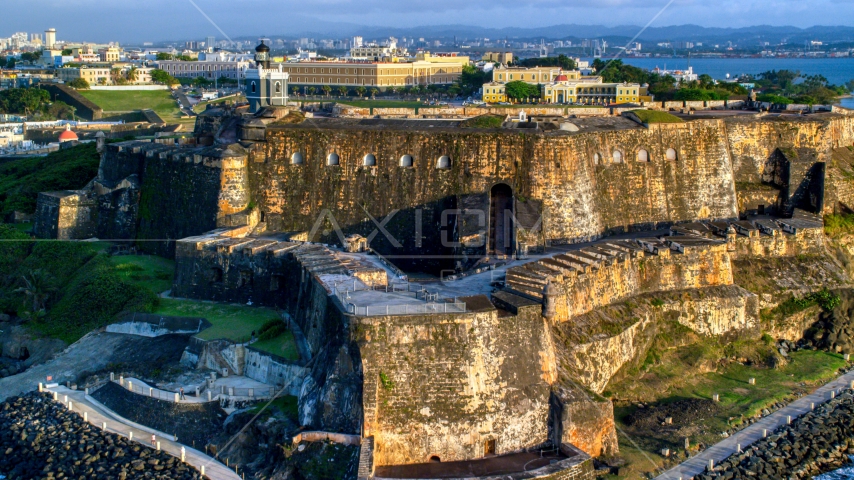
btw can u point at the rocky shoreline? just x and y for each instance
(815, 443)
(39, 438)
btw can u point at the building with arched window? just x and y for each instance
(266, 86)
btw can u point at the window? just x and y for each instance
(643, 155)
(297, 158)
(278, 87)
(333, 159)
(596, 159)
(253, 87)
(671, 154)
(406, 161)
(444, 163)
(618, 156)
(370, 160)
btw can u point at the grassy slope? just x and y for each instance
(113, 101)
(22, 180)
(283, 346)
(235, 322)
(148, 271)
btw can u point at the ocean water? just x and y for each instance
(836, 70)
(844, 473)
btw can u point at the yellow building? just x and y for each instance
(372, 74)
(110, 54)
(442, 58)
(93, 75)
(494, 92)
(498, 57)
(533, 75)
(592, 91)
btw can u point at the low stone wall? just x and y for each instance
(148, 325)
(341, 438)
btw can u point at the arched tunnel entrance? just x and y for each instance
(501, 228)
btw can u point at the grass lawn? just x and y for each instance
(669, 381)
(234, 322)
(654, 116)
(23, 227)
(286, 404)
(150, 271)
(283, 346)
(384, 104)
(114, 101)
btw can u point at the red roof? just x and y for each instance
(68, 135)
(561, 78)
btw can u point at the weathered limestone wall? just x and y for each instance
(274, 371)
(710, 311)
(579, 198)
(699, 267)
(66, 215)
(445, 384)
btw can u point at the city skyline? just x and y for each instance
(159, 20)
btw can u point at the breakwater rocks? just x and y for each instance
(39, 438)
(816, 442)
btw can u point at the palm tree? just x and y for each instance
(361, 91)
(342, 90)
(374, 92)
(37, 287)
(326, 89)
(132, 75)
(115, 73)
(311, 90)
(295, 91)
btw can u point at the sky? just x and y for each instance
(160, 20)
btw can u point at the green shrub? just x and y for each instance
(95, 296)
(386, 382)
(272, 329)
(837, 225)
(484, 121)
(22, 180)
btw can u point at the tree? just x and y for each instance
(61, 111)
(360, 90)
(37, 287)
(472, 79)
(311, 90)
(132, 75)
(31, 57)
(850, 85)
(519, 90)
(342, 90)
(66, 52)
(374, 92)
(295, 91)
(561, 61)
(164, 56)
(160, 76)
(326, 90)
(79, 83)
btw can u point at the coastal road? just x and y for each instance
(753, 433)
(98, 416)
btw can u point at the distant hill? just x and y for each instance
(695, 33)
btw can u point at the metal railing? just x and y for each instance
(425, 308)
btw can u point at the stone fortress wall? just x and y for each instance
(449, 385)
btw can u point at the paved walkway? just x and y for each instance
(97, 416)
(753, 433)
